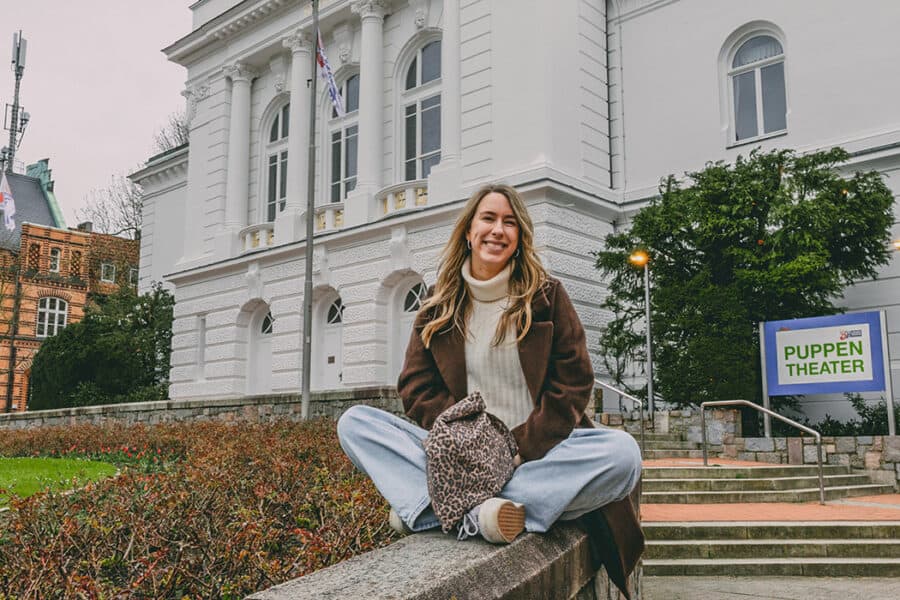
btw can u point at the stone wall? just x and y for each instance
(878, 454)
(253, 409)
(721, 424)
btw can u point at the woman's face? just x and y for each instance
(494, 236)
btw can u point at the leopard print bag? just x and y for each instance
(469, 459)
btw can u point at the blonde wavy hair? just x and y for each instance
(450, 304)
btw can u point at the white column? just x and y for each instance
(288, 224)
(360, 203)
(237, 178)
(445, 178)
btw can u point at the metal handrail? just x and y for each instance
(704, 405)
(640, 404)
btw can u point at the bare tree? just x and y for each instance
(173, 134)
(116, 209)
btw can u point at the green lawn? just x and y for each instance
(26, 476)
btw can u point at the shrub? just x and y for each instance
(202, 510)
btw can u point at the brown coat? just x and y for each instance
(559, 375)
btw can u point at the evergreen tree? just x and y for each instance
(118, 353)
(774, 236)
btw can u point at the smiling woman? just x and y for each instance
(24, 477)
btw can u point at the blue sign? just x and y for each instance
(823, 355)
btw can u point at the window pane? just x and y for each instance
(285, 120)
(283, 183)
(273, 182)
(40, 328)
(351, 185)
(431, 127)
(352, 99)
(431, 62)
(411, 75)
(428, 162)
(745, 105)
(410, 132)
(336, 192)
(273, 133)
(773, 99)
(410, 172)
(336, 156)
(350, 152)
(759, 48)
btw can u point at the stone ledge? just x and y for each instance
(433, 566)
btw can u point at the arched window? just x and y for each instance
(421, 101)
(276, 163)
(756, 76)
(335, 313)
(344, 142)
(52, 316)
(267, 323)
(414, 298)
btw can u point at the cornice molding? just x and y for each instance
(170, 167)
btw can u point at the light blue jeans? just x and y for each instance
(590, 469)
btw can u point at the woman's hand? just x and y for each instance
(517, 460)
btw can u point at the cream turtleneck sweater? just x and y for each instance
(495, 371)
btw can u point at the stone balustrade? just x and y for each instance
(402, 196)
(329, 217)
(257, 236)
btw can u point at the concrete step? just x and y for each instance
(738, 497)
(714, 472)
(750, 484)
(650, 453)
(798, 548)
(771, 530)
(809, 567)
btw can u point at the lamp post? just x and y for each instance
(639, 258)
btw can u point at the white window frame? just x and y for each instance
(414, 97)
(756, 67)
(133, 275)
(48, 323)
(340, 125)
(279, 151)
(103, 277)
(55, 259)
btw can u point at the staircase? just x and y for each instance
(734, 548)
(821, 549)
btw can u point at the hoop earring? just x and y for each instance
(469, 244)
(516, 255)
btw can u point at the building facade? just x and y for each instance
(45, 286)
(583, 105)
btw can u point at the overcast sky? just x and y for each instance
(96, 85)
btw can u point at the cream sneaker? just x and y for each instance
(397, 523)
(497, 520)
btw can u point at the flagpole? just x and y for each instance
(310, 217)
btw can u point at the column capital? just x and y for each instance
(297, 42)
(240, 71)
(370, 8)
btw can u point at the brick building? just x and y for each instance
(47, 275)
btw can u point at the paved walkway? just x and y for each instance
(885, 507)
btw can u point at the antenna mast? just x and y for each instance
(19, 47)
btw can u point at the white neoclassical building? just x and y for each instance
(582, 104)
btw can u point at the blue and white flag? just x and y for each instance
(328, 76)
(7, 204)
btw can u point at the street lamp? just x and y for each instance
(641, 259)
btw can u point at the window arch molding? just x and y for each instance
(276, 109)
(405, 299)
(327, 125)
(405, 57)
(729, 49)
